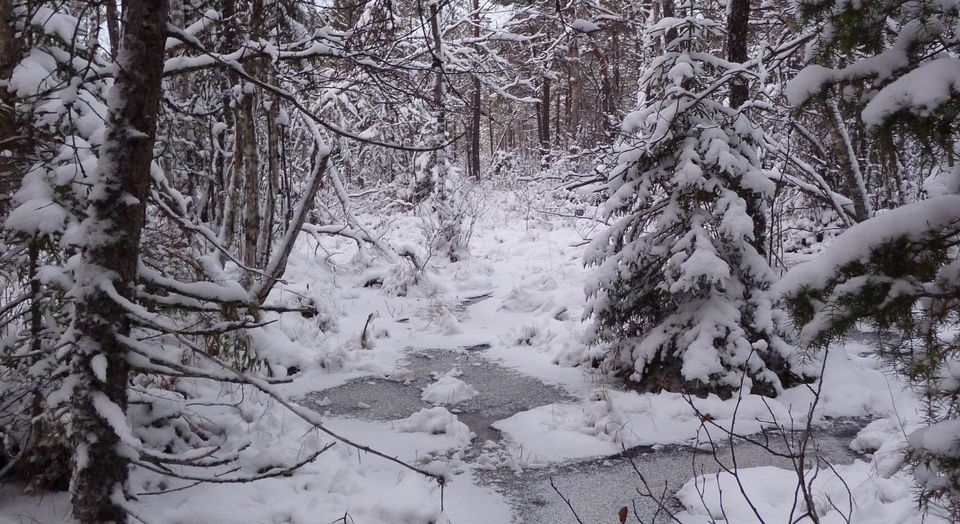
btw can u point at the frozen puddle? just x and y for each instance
(502, 391)
(597, 488)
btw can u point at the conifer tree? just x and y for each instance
(896, 65)
(681, 293)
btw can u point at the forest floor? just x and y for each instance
(467, 370)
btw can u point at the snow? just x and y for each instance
(115, 417)
(772, 492)
(61, 25)
(526, 268)
(853, 386)
(942, 438)
(855, 244)
(920, 92)
(810, 81)
(449, 389)
(434, 421)
(584, 26)
(98, 363)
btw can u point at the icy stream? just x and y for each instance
(597, 488)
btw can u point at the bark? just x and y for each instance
(490, 112)
(575, 98)
(439, 185)
(250, 153)
(668, 12)
(449, 224)
(250, 172)
(437, 65)
(9, 54)
(556, 118)
(607, 98)
(109, 259)
(113, 27)
(475, 113)
(228, 158)
(273, 179)
(36, 314)
(738, 31)
(738, 27)
(543, 120)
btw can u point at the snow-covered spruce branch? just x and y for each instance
(205, 291)
(730, 72)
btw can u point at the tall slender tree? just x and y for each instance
(99, 369)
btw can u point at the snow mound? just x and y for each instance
(772, 492)
(449, 389)
(434, 421)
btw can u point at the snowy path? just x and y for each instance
(508, 320)
(504, 319)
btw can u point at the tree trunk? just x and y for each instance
(439, 184)
(251, 157)
(475, 113)
(856, 189)
(738, 31)
(9, 55)
(98, 366)
(607, 104)
(113, 28)
(543, 121)
(576, 92)
(556, 118)
(229, 159)
(438, 68)
(278, 261)
(738, 27)
(668, 12)
(250, 162)
(274, 130)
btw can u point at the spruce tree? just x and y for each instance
(682, 290)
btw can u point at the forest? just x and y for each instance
(479, 261)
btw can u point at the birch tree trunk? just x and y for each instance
(855, 188)
(227, 162)
(98, 366)
(251, 154)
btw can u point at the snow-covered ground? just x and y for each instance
(510, 312)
